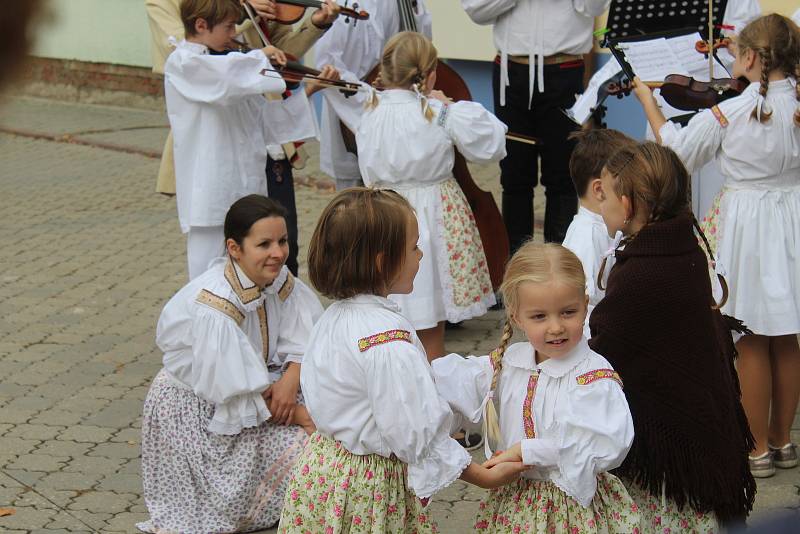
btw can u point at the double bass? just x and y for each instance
(488, 219)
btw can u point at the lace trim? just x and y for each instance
(221, 305)
(245, 295)
(286, 288)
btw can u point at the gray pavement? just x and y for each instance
(90, 255)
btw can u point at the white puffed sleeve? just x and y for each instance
(478, 135)
(464, 383)
(697, 143)
(413, 420)
(298, 315)
(595, 431)
(289, 119)
(486, 11)
(227, 371)
(220, 79)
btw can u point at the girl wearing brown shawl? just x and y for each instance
(659, 327)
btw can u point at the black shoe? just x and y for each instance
(469, 440)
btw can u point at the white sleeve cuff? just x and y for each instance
(441, 466)
(243, 411)
(541, 452)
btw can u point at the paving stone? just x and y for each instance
(38, 462)
(126, 521)
(86, 433)
(130, 436)
(116, 450)
(27, 518)
(28, 478)
(94, 465)
(16, 445)
(63, 448)
(122, 483)
(56, 417)
(16, 416)
(36, 432)
(77, 481)
(102, 501)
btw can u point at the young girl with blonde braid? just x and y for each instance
(562, 410)
(755, 137)
(661, 329)
(406, 142)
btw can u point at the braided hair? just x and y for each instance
(775, 39)
(532, 263)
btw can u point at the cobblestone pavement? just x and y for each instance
(90, 255)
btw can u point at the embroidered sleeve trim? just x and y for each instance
(721, 118)
(366, 343)
(221, 305)
(527, 407)
(442, 115)
(286, 288)
(598, 374)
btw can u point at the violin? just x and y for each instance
(702, 46)
(291, 11)
(684, 92)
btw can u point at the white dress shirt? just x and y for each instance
(587, 236)
(354, 49)
(221, 125)
(536, 28)
(376, 394)
(226, 340)
(580, 424)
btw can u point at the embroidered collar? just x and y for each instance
(560, 367)
(373, 300)
(248, 293)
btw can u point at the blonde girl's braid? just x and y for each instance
(759, 113)
(491, 422)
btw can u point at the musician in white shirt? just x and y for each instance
(354, 48)
(537, 73)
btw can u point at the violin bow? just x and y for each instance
(252, 16)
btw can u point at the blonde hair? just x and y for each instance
(357, 225)
(408, 58)
(776, 41)
(532, 263)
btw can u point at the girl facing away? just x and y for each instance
(755, 137)
(406, 142)
(562, 411)
(661, 329)
(383, 431)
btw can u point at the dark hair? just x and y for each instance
(246, 211)
(357, 225)
(18, 28)
(212, 11)
(591, 153)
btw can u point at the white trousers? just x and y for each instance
(203, 244)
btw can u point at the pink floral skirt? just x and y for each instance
(334, 491)
(534, 506)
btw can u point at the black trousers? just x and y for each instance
(546, 121)
(280, 187)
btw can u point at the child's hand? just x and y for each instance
(643, 92)
(503, 473)
(440, 96)
(513, 454)
(275, 55)
(326, 14)
(329, 72)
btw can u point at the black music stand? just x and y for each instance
(659, 18)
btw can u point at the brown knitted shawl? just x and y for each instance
(675, 356)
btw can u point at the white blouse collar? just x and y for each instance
(248, 293)
(193, 47)
(398, 95)
(589, 214)
(373, 300)
(557, 368)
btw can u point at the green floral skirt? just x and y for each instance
(335, 491)
(533, 506)
(663, 515)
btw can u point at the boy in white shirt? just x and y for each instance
(219, 120)
(587, 235)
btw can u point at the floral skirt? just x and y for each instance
(533, 506)
(663, 515)
(196, 481)
(334, 491)
(710, 224)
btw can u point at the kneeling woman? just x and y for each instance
(222, 425)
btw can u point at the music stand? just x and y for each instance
(658, 18)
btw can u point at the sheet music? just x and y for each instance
(582, 109)
(694, 62)
(652, 60)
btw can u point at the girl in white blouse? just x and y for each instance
(382, 440)
(406, 142)
(755, 138)
(562, 409)
(222, 421)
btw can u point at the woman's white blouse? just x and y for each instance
(367, 383)
(226, 340)
(750, 154)
(570, 414)
(397, 145)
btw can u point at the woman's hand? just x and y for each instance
(324, 16)
(275, 55)
(281, 396)
(513, 455)
(266, 9)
